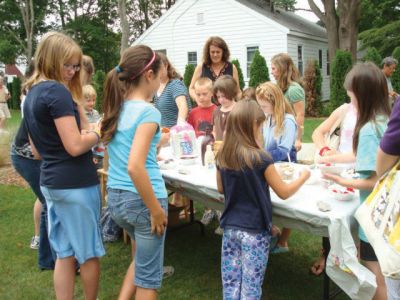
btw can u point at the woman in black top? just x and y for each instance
(215, 63)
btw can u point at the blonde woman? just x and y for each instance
(279, 130)
(68, 178)
(288, 79)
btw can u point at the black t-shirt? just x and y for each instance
(45, 102)
(247, 199)
(206, 71)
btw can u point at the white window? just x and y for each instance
(320, 58)
(300, 58)
(250, 55)
(192, 58)
(328, 64)
(200, 18)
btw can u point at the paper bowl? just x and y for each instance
(336, 169)
(287, 171)
(341, 193)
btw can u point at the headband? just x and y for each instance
(146, 67)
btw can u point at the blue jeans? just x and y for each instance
(29, 169)
(129, 211)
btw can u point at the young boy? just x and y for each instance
(201, 116)
(4, 112)
(225, 93)
(89, 101)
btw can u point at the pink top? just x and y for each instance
(347, 128)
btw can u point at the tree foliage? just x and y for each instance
(385, 38)
(288, 5)
(15, 93)
(98, 82)
(396, 74)
(240, 73)
(341, 65)
(187, 76)
(373, 55)
(258, 70)
(313, 88)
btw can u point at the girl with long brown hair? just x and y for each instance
(244, 174)
(288, 79)
(366, 86)
(137, 197)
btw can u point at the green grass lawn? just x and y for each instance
(196, 259)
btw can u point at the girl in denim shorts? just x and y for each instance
(137, 196)
(68, 178)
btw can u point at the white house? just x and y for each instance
(246, 25)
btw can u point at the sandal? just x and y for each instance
(168, 271)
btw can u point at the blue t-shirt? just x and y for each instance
(45, 102)
(368, 142)
(247, 199)
(166, 104)
(280, 146)
(133, 114)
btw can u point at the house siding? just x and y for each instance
(310, 52)
(179, 33)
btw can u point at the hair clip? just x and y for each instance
(118, 69)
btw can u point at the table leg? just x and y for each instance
(326, 246)
(327, 295)
(192, 220)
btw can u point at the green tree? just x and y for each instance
(240, 73)
(396, 74)
(378, 13)
(313, 87)
(98, 82)
(258, 70)
(187, 76)
(385, 38)
(15, 93)
(341, 65)
(373, 56)
(288, 5)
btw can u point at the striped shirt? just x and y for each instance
(166, 102)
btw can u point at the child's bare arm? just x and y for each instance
(360, 184)
(219, 183)
(282, 189)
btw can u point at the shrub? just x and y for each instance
(187, 77)
(15, 93)
(240, 73)
(98, 82)
(396, 74)
(341, 65)
(258, 70)
(313, 85)
(373, 55)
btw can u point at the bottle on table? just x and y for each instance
(209, 158)
(207, 140)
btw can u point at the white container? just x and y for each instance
(209, 159)
(341, 193)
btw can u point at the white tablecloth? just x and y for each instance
(300, 212)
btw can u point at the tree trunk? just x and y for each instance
(28, 17)
(341, 24)
(124, 24)
(62, 14)
(348, 26)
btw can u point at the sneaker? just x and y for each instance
(35, 242)
(207, 217)
(219, 231)
(168, 271)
